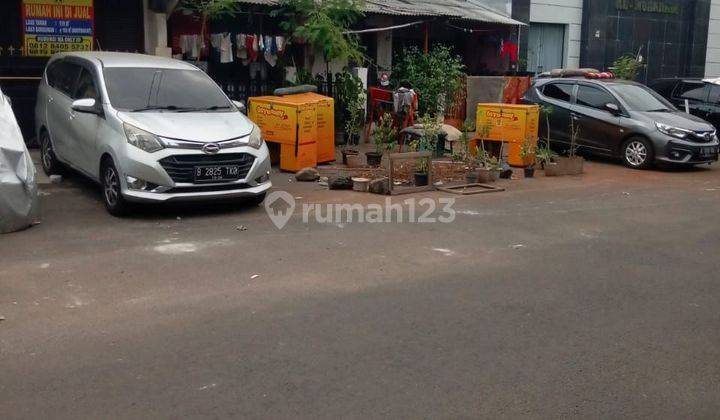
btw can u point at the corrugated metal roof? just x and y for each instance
(461, 9)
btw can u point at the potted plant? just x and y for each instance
(527, 154)
(547, 159)
(426, 142)
(421, 172)
(466, 155)
(574, 163)
(353, 126)
(350, 107)
(384, 138)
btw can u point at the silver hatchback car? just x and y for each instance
(148, 129)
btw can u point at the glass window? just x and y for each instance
(559, 91)
(86, 86)
(62, 75)
(714, 94)
(691, 90)
(163, 89)
(594, 97)
(641, 98)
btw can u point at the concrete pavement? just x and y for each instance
(591, 297)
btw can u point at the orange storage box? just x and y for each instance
(296, 157)
(325, 122)
(291, 124)
(511, 124)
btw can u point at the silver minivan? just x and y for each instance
(148, 129)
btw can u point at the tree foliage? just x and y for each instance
(323, 24)
(435, 76)
(627, 67)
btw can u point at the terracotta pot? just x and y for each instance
(563, 163)
(484, 175)
(346, 153)
(354, 161)
(472, 177)
(553, 169)
(575, 165)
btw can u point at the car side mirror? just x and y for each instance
(85, 105)
(612, 108)
(240, 106)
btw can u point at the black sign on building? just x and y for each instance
(670, 35)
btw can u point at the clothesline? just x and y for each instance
(388, 28)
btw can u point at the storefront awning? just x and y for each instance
(474, 10)
(460, 9)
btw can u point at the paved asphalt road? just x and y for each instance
(593, 297)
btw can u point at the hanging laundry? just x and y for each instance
(223, 43)
(509, 49)
(261, 43)
(270, 50)
(280, 42)
(241, 52)
(191, 45)
(251, 46)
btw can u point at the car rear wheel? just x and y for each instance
(638, 153)
(114, 201)
(49, 161)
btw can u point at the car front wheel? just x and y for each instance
(638, 153)
(49, 161)
(115, 203)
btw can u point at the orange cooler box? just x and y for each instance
(291, 124)
(325, 121)
(293, 158)
(508, 123)
(511, 124)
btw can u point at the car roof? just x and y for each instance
(584, 79)
(120, 59)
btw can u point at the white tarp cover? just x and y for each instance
(18, 185)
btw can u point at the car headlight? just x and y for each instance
(676, 132)
(256, 139)
(142, 139)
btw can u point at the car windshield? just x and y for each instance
(641, 99)
(153, 89)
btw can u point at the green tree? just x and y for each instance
(435, 76)
(323, 24)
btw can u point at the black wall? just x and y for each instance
(118, 27)
(671, 34)
(521, 12)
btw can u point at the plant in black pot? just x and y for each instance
(426, 142)
(350, 106)
(528, 150)
(353, 126)
(384, 137)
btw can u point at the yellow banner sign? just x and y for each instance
(51, 26)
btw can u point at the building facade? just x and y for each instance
(670, 35)
(675, 38)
